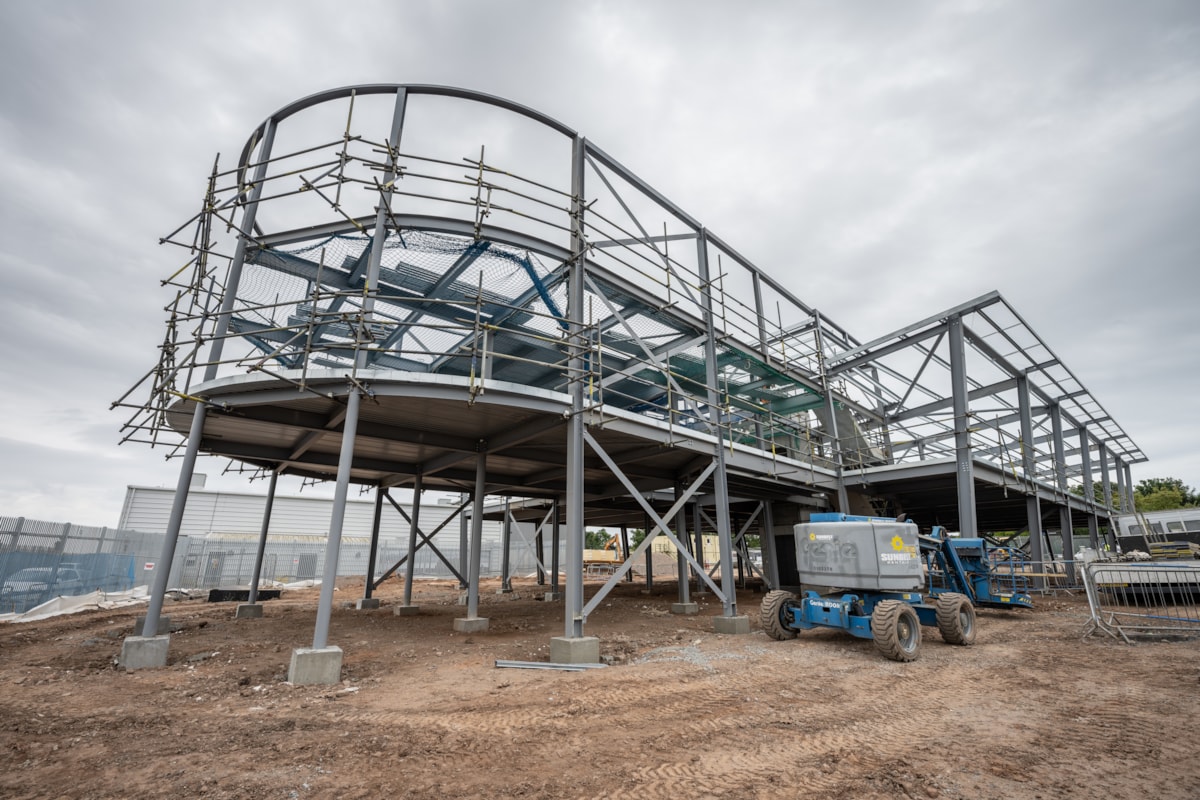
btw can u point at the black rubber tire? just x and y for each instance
(897, 630)
(956, 618)
(771, 614)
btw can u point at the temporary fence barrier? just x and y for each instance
(1147, 599)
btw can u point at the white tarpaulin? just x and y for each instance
(81, 602)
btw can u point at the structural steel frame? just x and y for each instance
(540, 323)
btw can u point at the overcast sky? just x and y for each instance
(885, 160)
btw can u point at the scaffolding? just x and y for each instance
(432, 288)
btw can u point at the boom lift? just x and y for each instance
(882, 565)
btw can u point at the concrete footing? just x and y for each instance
(736, 625)
(685, 608)
(406, 611)
(144, 652)
(248, 611)
(310, 665)
(552, 597)
(471, 624)
(504, 590)
(570, 650)
(164, 626)
(367, 603)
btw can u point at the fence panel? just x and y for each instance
(1149, 599)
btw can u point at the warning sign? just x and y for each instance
(149, 566)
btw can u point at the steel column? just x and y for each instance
(1122, 495)
(413, 527)
(233, 281)
(539, 544)
(464, 543)
(720, 484)
(373, 552)
(1106, 487)
(770, 554)
(685, 584)
(334, 543)
(1089, 488)
(1129, 490)
(835, 438)
(476, 534)
(1065, 523)
(1033, 508)
(967, 524)
(576, 344)
(262, 539)
(556, 544)
(625, 547)
(506, 543)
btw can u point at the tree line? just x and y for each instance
(1151, 494)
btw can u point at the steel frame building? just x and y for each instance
(428, 287)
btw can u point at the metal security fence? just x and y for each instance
(1150, 599)
(40, 560)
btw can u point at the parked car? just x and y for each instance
(32, 586)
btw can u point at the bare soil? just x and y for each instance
(1030, 711)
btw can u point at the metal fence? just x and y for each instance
(1149, 599)
(40, 560)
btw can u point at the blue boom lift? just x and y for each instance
(895, 580)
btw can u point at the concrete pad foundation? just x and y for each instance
(471, 624)
(685, 608)
(249, 611)
(406, 611)
(144, 652)
(367, 603)
(552, 597)
(315, 666)
(736, 625)
(164, 626)
(570, 650)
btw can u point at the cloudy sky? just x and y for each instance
(885, 160)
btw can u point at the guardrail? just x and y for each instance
(1149, 599)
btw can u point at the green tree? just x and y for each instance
(637, 538)
(1166, 490)
(1151, 494)
(594, 540)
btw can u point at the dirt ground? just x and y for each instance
(1030, 711)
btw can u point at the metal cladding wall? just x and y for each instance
(149, 509)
